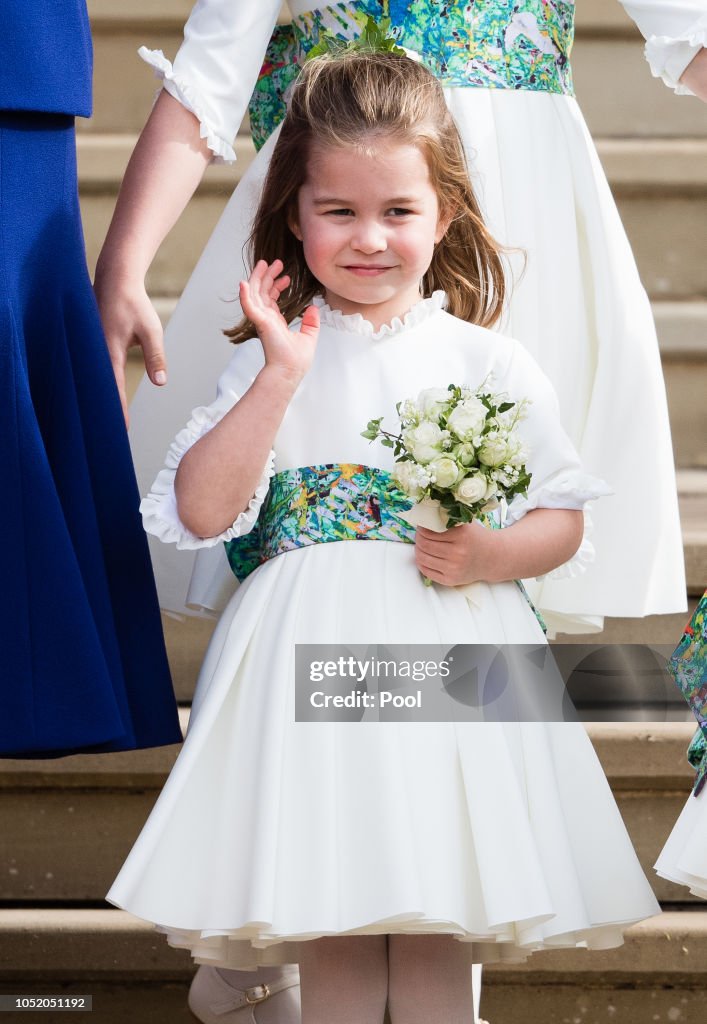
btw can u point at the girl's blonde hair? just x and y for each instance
(355, 99)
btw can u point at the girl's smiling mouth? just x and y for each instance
(367, 270)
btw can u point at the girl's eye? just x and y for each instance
(339, 213)
(399, 211)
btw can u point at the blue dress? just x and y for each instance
(83, 659)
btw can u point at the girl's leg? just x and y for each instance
(429, 979)
(344, 980)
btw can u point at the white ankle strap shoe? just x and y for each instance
(213, 1000)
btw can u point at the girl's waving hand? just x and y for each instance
(289, 351)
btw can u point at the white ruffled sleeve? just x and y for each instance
(558, 479)
(674, 30)
(217, 66)
(159, 509)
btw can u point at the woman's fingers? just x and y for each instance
(118, 360)
(151, 338)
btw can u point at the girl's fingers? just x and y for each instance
(429, 565)
(279, 287)
(310, 322)
(248, 305)
(270, 274)
(433, 537)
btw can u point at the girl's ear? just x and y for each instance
(293, 223)
(443, 221)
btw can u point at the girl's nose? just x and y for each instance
(369, 237)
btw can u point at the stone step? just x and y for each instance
(613, 81)
(73, 820)
(681, 326)
(659, 974)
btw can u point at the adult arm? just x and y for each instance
(164, 170)
(195, 119)
(676, 35)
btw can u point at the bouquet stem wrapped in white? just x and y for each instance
(458, 454)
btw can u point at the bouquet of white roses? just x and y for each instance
(458, 453)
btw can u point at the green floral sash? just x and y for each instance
(316, 504)
(688, 666)
(320, 504)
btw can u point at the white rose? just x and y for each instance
(468, 418)
(465, 453)
(424, 442)
(471, 489)
(432, 401)
(491, 489)
(517, 454)
(411, 479)
(443, 472)
(494, 451)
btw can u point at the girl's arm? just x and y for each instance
(542, 540)
(217, 477)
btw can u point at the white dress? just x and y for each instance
(580, 308)
(268, 831)
(683, 859)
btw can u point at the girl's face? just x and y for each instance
(368, 222)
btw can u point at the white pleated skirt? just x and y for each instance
(271, 832)
(683, 859)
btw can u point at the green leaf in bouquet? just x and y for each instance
(387, 443)
(505, 406)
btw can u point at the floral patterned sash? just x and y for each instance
(320, 504)
(688, 666)
(488, 44)
(316, 504)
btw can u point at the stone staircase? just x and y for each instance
(72, 822)
(68, 824)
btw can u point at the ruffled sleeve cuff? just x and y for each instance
(185, 94)
(668, 57)
(159, 508)
(571, 490)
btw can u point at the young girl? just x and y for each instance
(383, 858)
(580, 308)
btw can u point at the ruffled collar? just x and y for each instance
(355, 323)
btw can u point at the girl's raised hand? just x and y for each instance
(289, 351)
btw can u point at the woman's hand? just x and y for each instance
(129, 319)
(464, 554)
(291, 352)
(695, 75)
